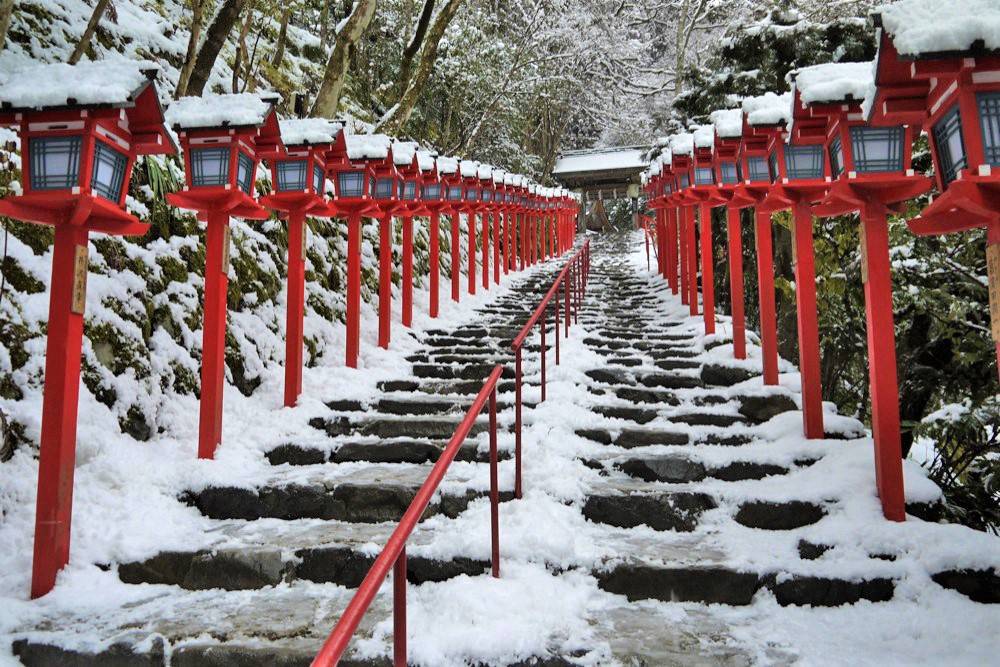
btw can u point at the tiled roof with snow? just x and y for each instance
(211, 110)
(469, 168)
(485, 171)
(403, 153)
(425, 160)
(920, 27)
(682, 144)
(768, 109)
(499, 175)
(308, 131)
(704, 136)
(601, 160)
(833, 82)
(367, 146)
(728, 123)
(447, 165)
(107, 82)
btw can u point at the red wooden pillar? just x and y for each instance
(213, 357)
(993, 249)
(60, 402)
(645, 237)
(472, 253)
(435, 262)
(486, 250)
(661, 242)
(682, 224)
(765, 284)
(456, 256)
(495, 219)
(671, 252)
(407, 271)
(384, 281)
(353, 289)
(522, 244)
(552, 235)
(734, 230)
(882, 362)
(296, 305)
(507, 246)
(707, 270)
(805, 297)
(692, 249)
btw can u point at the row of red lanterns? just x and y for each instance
(840, 141)
(81, 133)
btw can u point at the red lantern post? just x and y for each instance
(404, 156)
(80, 135)
(222, 137)
(496, 208)
(947, 81)
(706, 193)
(432, 199)
(454, 202)
(469, 170)
(298, 173)
(388, 196)
(485, 175)
(682, 150)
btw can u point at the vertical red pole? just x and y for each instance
(707, 270)
(517, 422)
(682, 224)
(407, 271)
(296, 306)
(353, 289)
(60, 402)
(734, 230)
(544, 326)
(646, 236)
(507, 247)
(486, 250)
(523, 244)
(567, 280)
(435, 262)
(805, 297)
(765, 283)
(882, 363)
(213, 358)
(555, 308)
(384, 281)
(992, 241)
(472, 253)
(399, 610)
(495, 219)
(672, 253)
(456, 256)
(494, 487)
(692, 249)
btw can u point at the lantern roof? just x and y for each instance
(510, 179)
(217, 111)
(485, 172)
(728, 123)
(833, 83)
(919, 28)
(499, 176)
(469, 168)
(309, 131)
(426, 160)
(768, 109)
(682, 144)
(106, 83)
(404, 153)
(704, 136)
(447, 165)
(367, 146)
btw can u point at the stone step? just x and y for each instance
(677, 511)
(440, 428)
(385, 451)
(679, 469)
(631, 438)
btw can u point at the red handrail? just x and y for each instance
(573, 278)
(393, 554)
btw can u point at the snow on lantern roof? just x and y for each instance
(655, 169)
(485, 172)
(601, 159)
(682, 144)
(833, 82)
(922, 27)
(403, 152)
(212, 111)
(704, 136)
(426, 160)
(728, 123)
(469, 168)
(768, 109)
(499, 176)
(447, 165)
(114, 83)
(368, 146)
(309, 131)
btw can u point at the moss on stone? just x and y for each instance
(37, 237)
(18, 278)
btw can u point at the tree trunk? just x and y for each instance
(215, 39)
(679, 67)
(413, 48)
(279, 49)
(197, 9)
(88, 33)
(6, 10)
(340, 59)
(400, 113)
(242, 53)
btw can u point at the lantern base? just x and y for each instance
(348, 208)
(92, 213)
(288, 202)
(847, 196)
(707, 195)
(970, 203)
(784, 196)
(236, 203)
(749, 194)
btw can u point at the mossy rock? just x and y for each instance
(14, 336)
(116, 351)
(172, 269)
(135, 424)
(18, 278)
(37, 237)
(94, 383)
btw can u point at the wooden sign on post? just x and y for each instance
(305, 235)
(79, 302)
(993, 278)
(227, 237)
(863, 237)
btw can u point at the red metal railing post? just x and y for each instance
(399, 610)
(494, 486)
(566, 281)
(556, 309)
(544, 326)
(517, 423)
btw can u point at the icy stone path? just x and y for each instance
(673, 514)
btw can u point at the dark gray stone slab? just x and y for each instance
(977, 585)
(637, 415)
(596, 434)
(665, 511)
(760, 409)
(406, 451)
(297, 455)
(637, 395)
(825, 592)
(630, 438)
(707, 419)
(610, 376)
(670, 381)
(742, 470)
(227, 569)
(779, 516)
(673, 469)
(122, 654)
(725, 376)
(711, 585)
